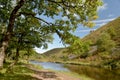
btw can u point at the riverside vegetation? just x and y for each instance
(22, 28)
(102, 57)
(104, 50)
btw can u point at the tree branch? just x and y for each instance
(13, 15)
(9, 31)
(49, 24)
(26, 13)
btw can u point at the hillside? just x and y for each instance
(54, 51)
(114, 25)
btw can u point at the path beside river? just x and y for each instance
(50, 75)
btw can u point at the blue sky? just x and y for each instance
(108, 12)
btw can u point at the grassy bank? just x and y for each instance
(18, 72)
(22, 71)
(109, 64)
(75, 75)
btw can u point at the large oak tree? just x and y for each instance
(70, 13)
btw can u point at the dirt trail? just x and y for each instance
(49, 75)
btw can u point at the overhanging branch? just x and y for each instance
(44, 21)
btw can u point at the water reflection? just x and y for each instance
(95, 73)
(92, 72)
(52, 66)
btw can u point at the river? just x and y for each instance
(92, 72)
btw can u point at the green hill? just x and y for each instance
(54, 51)
(113, 25)
(112, 28)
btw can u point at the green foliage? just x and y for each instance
(31, 34)
(19, 72)
(76, 12)
(112, 32)
(78, 47)
(104, 55)
(27, 27)
(105, 43)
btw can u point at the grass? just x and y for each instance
(75, 75)
(18, 72)
(21, 72)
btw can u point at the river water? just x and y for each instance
(92, 72)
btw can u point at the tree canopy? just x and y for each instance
(65, 15)
(75, 12)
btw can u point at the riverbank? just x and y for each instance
(23, 71)
(108, 64)
(90, 72)
(51, 75)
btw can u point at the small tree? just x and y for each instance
(78, 47)
(105, 43)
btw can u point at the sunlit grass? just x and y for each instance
(18, 72)
(75, 75)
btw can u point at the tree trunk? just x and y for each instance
(6, 38)
(2, 53)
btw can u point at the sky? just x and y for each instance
(108, 12)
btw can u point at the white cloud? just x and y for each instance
(103, 21)
(103, 7)
(87, 30)
(100, 24)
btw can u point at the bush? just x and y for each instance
(105, 43)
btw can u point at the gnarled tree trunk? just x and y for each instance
(6, 38)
